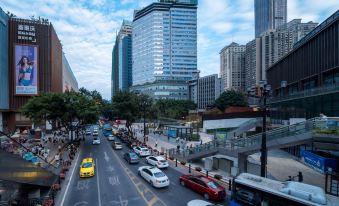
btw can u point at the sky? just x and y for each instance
(87, 29)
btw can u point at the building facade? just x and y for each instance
(305, 81)
(35, 66)
(205, 90)
(164, 46)
(272, 45)
(69, 81)
(4, 98)
(232, 66)
(269, 14)
(122, 59)
(164, 89)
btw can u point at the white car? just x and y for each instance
(157, 161)
(88, 132)
(95, 133)
(111, 137)
(200, 203)
(96, 140)
(142, 151)
(154, 176)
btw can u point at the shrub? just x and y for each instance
(218, 177)
(198, 169)
(183, 162)
(171, 158)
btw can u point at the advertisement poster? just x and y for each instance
(26, 69)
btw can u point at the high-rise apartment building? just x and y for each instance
(269, 14)
(232, 68)
(205, 90)
(122, 59)
(164, 47)
(271, 46)
(4, 93)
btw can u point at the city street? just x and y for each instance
(117, 183)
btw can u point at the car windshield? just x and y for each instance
(87, 165)
(117, 143)
(133, 155)
(163, 161)
(144, 150)
(159, 174)
(213, 185)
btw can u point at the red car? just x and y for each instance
(204, 186)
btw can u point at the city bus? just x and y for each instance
(249, 189)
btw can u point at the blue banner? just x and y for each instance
(318, 163)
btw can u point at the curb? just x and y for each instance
(223, 181)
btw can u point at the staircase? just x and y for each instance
(21, 166)
(291, 135)
(244, 127)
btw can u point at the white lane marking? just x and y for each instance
(70, 179)
(121, 202)
(110, 168)
(99, 198)
(114, 180)
(81, 203)
(106, 157)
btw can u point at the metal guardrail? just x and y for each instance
(314, 125)
(307, 93)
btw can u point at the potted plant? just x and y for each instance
(198, 169)
(218, 177)
(171, 158)
(183, 162)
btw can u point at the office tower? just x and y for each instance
(122, 59)
(164, 49)
(205, 90)
(269, 14)
(232, 68)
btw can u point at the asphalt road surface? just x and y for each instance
(117, 183)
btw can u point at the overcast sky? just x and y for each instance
(87, 29)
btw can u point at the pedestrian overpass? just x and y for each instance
(312, 130)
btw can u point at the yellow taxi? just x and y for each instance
(87, 167)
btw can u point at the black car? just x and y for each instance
(131, 157)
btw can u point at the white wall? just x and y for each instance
(224, 123)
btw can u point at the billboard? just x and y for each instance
(26, 69)
(318, 163)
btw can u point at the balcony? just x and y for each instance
(330, 89)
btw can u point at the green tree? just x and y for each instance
(231, 98)
(64, 108)
(175, 109)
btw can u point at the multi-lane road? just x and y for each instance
(117, 183)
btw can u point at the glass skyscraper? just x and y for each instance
(269, 14)
(122, 59)
(164, 46)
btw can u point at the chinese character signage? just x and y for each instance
(26, 70)
(26, 32)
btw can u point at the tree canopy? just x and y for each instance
(63, 108)
(175, 109)
(230, 98)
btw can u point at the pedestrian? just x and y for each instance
(156, 143)
(59, 148)
(201, 142)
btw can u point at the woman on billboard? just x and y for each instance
(25, 75)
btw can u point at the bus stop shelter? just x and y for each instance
(175, 131)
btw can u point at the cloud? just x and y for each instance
(87, 29)
(221, 27)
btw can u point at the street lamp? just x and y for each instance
(144, 104)
(265, 90)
